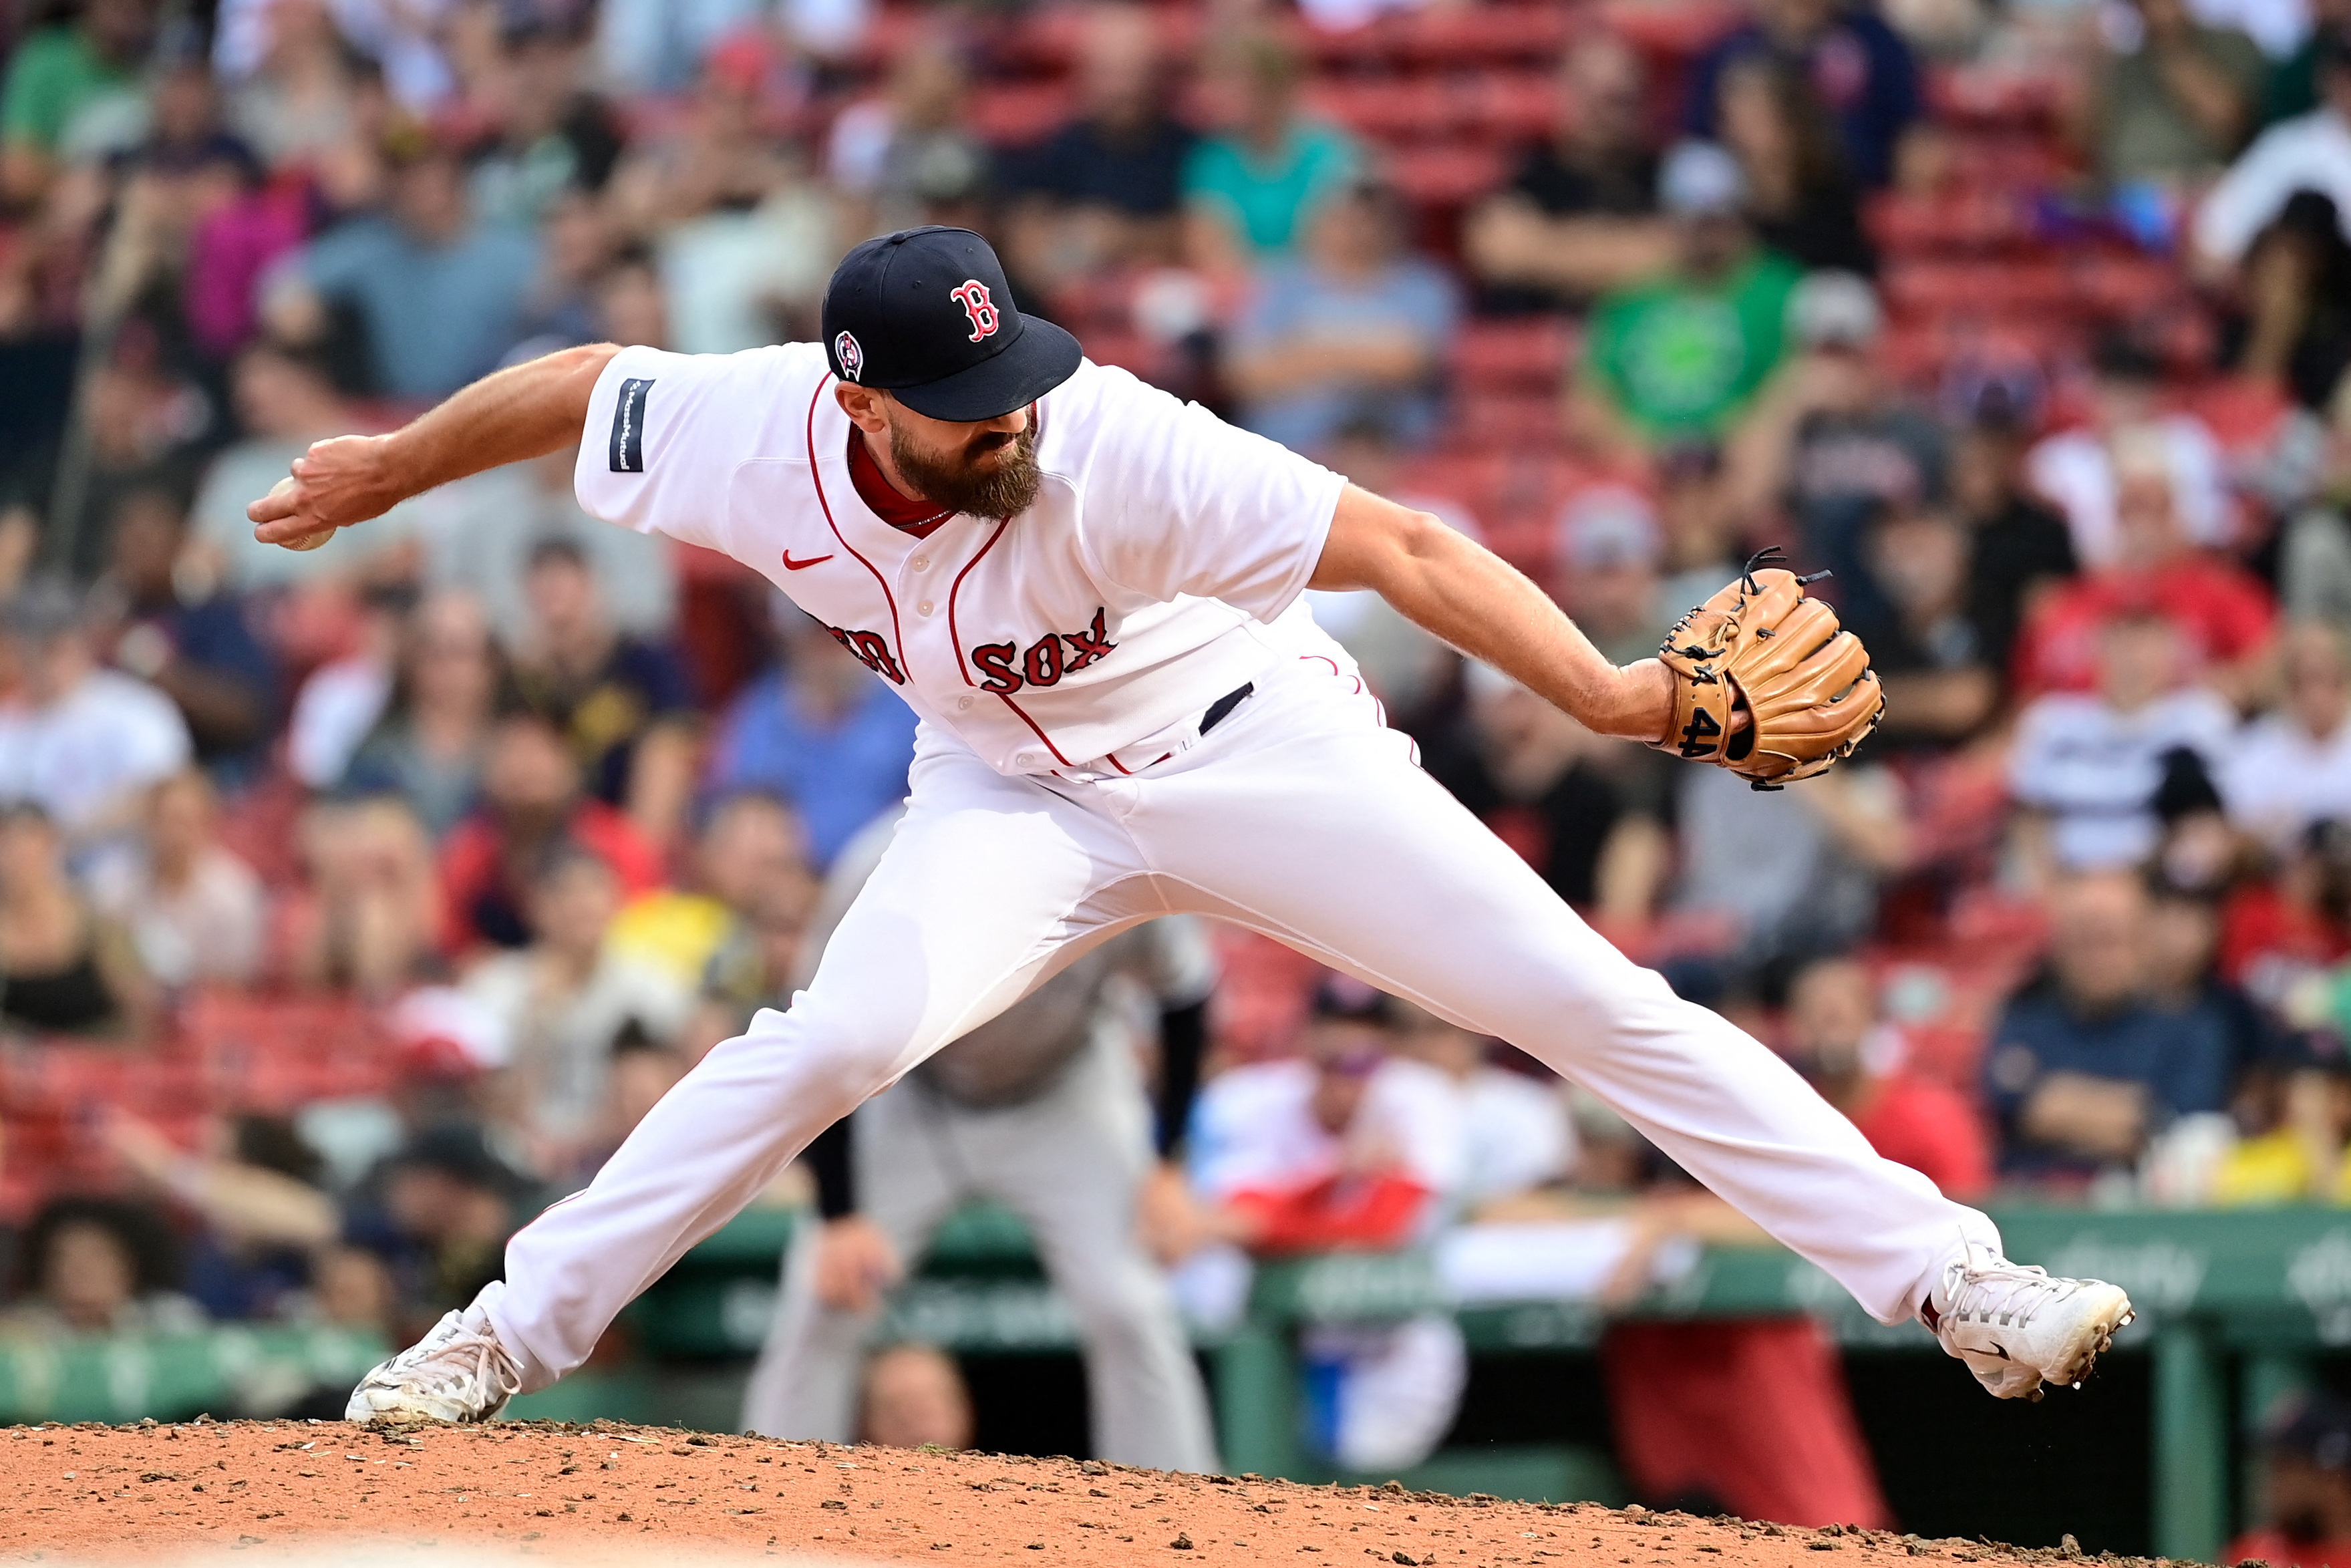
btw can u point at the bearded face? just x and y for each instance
(987, 473)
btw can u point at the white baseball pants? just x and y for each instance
(1302, 816)
(1069, 1161)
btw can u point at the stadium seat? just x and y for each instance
(1499, 33)
(1907, 226)
(1996, 97)
(1389, 108)
(1017, 114)
(1446, 176)
(1515, 105)
(1506, 420)
(1676, 29)
(1522, 355)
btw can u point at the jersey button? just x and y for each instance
(961, 703)
(924, 608)
(1026, 759)
(922, 563)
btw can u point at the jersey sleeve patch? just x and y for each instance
(626, 449)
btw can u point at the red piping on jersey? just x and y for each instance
(1040, 734)
(816, 477)
(1327, 659)
(953, 635)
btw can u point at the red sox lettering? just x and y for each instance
(872, 650)
(1043, 663)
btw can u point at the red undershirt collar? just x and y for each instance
(882, 498)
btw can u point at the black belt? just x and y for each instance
(1222, 708)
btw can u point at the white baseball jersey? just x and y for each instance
(1083, 635)
(1143, 586)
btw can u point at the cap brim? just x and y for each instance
(1040, 359)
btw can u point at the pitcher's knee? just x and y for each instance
(829, 1051)
(1573, 1010)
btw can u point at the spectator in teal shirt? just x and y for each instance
(1245, 189)
(438, 291)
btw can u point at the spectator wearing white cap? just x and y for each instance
(1686, 353)
(2077, 469)
(1605, 551)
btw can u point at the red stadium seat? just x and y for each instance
(1487, 35)
(1524, 355)
(1446, 176)
(2123, 285)
(1964, 220)
(1996, 97)
(1515, 105)
(1675, 28)
(1389, 108)
(1506, 420)
(1013, 115)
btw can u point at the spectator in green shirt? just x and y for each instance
(1247, 189)
(58, 72)
(1680, 357)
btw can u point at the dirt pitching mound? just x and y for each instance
(325, 1491)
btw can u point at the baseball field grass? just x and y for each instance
(606, 1492)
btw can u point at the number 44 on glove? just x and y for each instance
(1804, 681)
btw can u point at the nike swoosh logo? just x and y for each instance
(792, 565)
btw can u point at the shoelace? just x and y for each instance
(2006, 1293)
(468, 1352)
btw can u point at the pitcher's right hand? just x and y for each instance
(340, 481)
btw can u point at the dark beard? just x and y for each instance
(1002, 492)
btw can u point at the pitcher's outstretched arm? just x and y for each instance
(1458, 589)
(522, 411)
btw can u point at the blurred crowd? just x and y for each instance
(2028, 319)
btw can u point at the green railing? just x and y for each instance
(232, 1370)
(2266, 1291)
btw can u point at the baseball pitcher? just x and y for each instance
(1089, 591)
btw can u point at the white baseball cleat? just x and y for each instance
(459, 1372)
(2019, 1329)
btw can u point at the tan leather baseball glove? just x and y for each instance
(1760, 646)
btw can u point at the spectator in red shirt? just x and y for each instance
(531, 797)
(1839, 1039)
(1350, 1145)
(2226, 616)
(2306, 1493)
(1349, 1149)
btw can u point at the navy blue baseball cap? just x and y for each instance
(925, 315)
